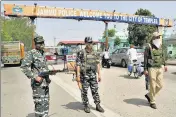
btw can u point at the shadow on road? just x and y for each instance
(117, 66)
(136, 101)
(74, 106)
(77, 106)
(174, 73)
(33, 115)
(127, 77)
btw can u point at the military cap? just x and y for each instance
(38, 39)
(88, 40)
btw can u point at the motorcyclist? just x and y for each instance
(132, 53)
(105, 56)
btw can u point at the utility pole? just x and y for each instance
(33, 24)
(106, 34)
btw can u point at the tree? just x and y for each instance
(117, 41)
(17, 29)
(140, 33)
(111, 33)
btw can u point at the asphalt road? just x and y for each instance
(121, 96)
(16, 97)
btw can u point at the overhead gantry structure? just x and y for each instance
(35, 11)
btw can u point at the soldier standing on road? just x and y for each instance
(87, 65)
(33, 63)
(154, 59)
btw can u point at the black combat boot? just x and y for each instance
(86, 109)
(153, 106)
(99, 108)
(148, 99)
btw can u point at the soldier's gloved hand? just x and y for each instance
(38, 79)
(99, 79)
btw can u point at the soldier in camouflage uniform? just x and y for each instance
(33, 63)
(88, 65)
(154, 59)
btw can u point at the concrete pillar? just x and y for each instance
(161, 31)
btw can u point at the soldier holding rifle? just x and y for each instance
(35, 68)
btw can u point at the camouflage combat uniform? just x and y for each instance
(34, 63)
(88, 67)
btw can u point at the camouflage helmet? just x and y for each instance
(38, 39)
(88, 40)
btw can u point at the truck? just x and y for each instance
(12, 52)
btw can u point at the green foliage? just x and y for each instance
(17, 29)
(111, 33)
(139, 34)
(166, 55)
(117, 41)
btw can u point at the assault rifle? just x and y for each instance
(45, 75)
(49, 72)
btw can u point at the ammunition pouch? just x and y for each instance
(91, 67)
(88, 68)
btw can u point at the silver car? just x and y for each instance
(120, 57)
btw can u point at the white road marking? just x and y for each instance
(76, 94)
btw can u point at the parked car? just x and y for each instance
(120, 57)
(51, 58)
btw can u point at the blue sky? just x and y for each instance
(74, 30)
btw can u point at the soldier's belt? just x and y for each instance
(88, 70)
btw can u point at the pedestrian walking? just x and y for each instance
(154, 60)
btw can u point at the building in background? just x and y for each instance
(123, 36)
(170, 41)
(74, 46)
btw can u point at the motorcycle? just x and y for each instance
(136, 68)
(106, 62)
